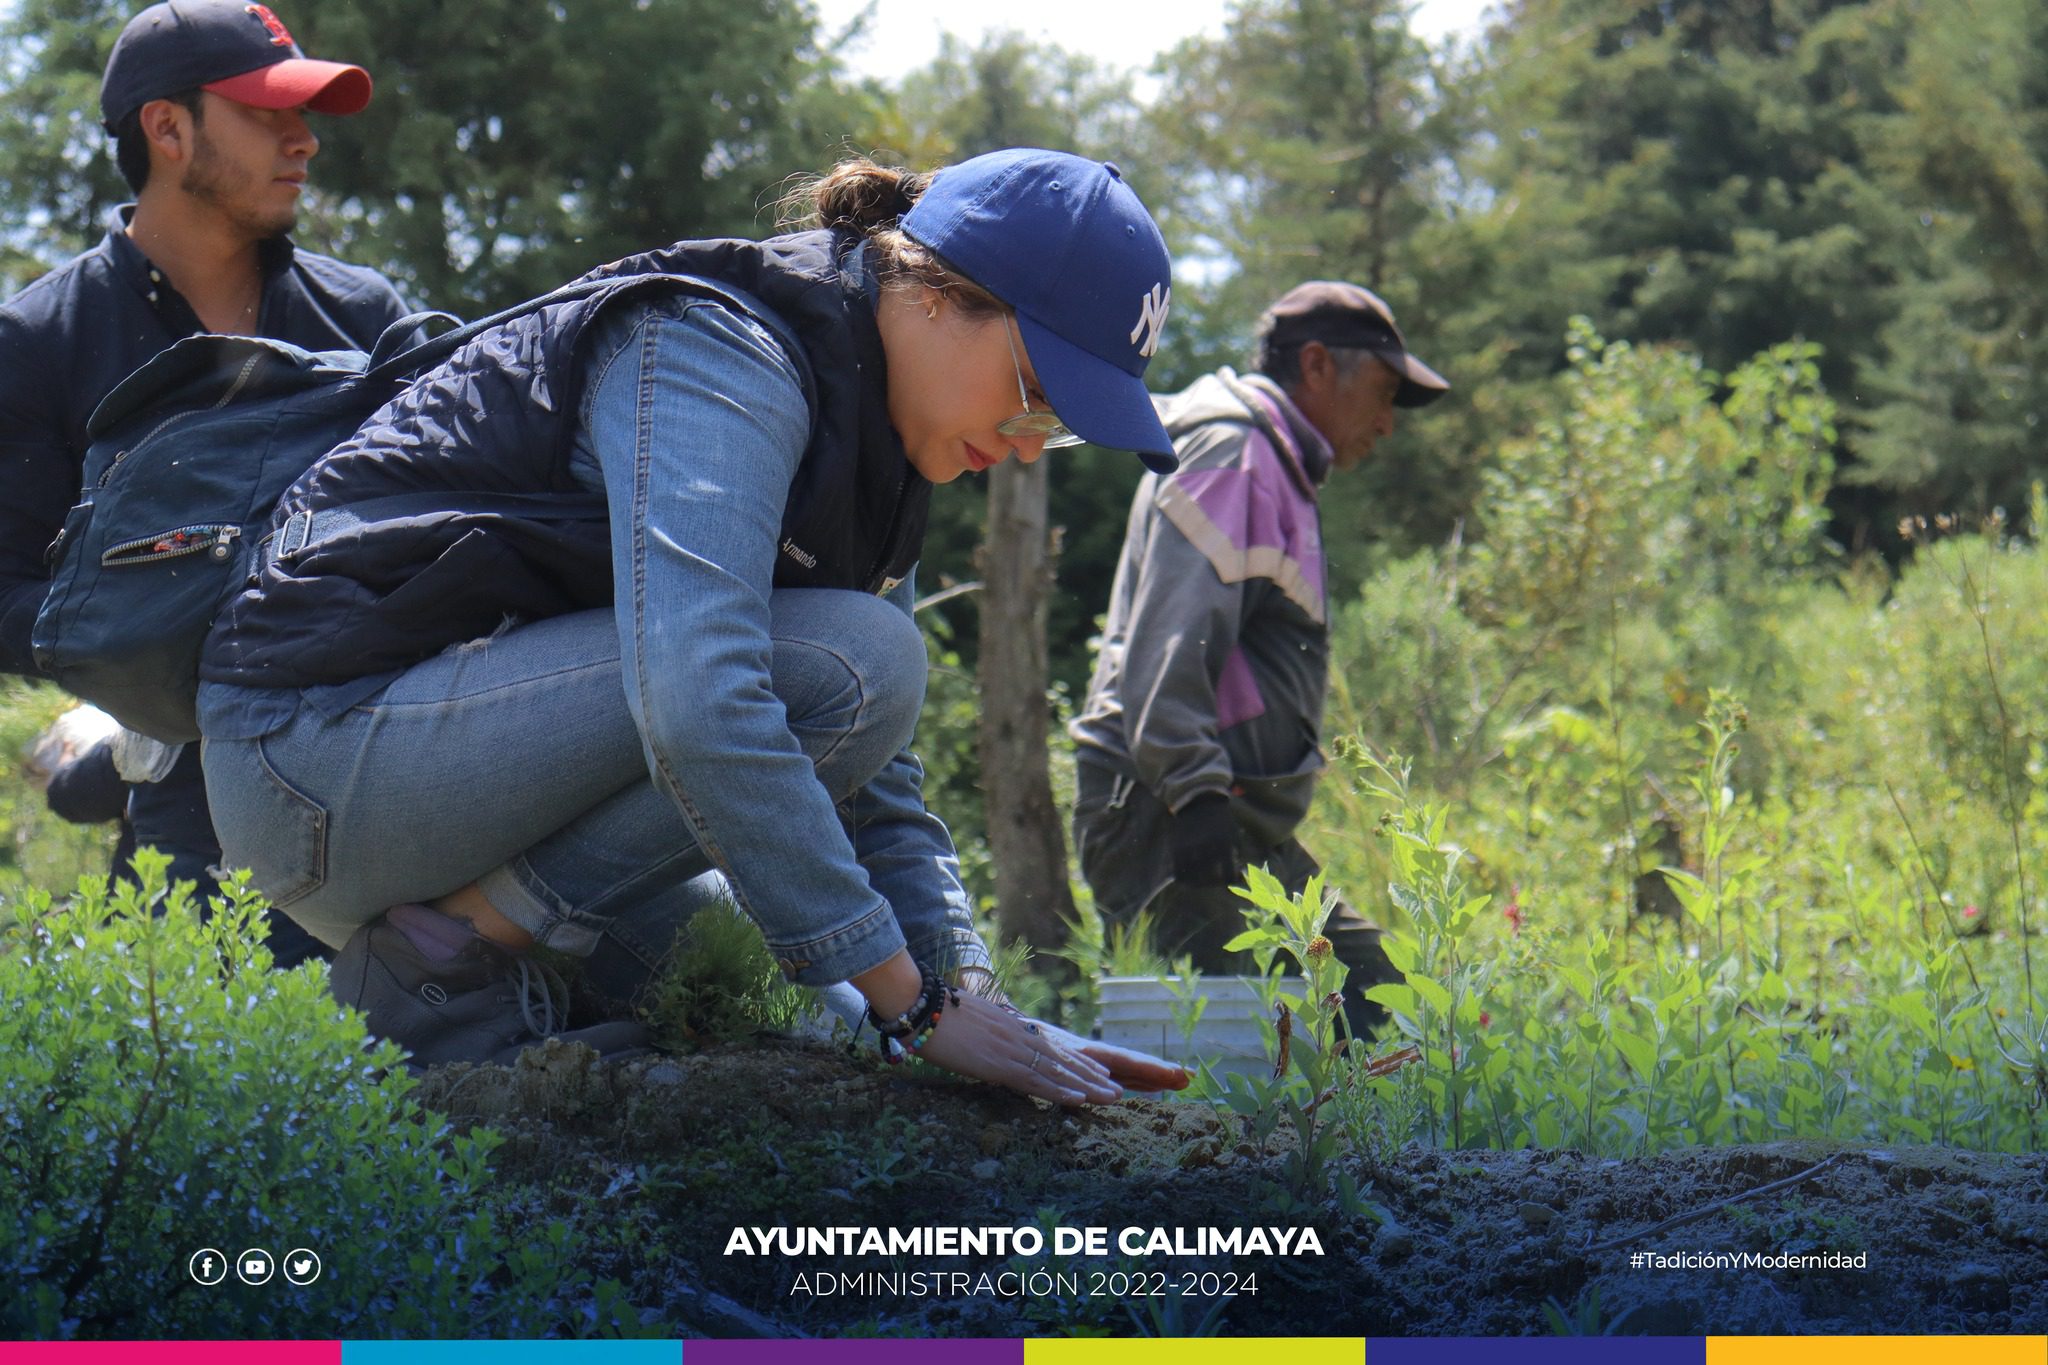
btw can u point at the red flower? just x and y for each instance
(1969, 912)
(1513, 914)
(1484, 1019)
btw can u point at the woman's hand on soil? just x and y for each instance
(988, 1042)
(1129, 1068)
(1139, 1071)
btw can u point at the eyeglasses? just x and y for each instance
(1027, 422)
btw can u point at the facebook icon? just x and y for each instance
(208, 1266)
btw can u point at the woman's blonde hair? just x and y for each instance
(860, 195)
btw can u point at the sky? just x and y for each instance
(904, 34)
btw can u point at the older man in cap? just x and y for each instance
(1199, 743)
(207, 103)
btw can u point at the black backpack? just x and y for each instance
(189, 456)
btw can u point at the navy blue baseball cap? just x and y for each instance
(1064, 242)
(238, 51)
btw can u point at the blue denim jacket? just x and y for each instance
(704, 531)
(705, 436)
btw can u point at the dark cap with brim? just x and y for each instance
(1349, 315)
(238, 51)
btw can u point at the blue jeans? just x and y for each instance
(590, 769)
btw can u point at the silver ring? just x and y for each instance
(1031, 1028)
(1036, 1058)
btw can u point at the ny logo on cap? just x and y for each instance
(280, 36)
(1152, 318)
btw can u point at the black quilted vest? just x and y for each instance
(452, 509)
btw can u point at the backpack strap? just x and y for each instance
(387, 368)
(396, 338)
(433, 352)
(306, 527)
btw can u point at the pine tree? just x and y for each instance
(1314, 140)
(1957, 401)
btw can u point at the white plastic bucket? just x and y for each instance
(1138, 1012)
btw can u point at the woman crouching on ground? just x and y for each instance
(620, 595)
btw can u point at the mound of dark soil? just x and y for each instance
(659, 1160)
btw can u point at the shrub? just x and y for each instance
(162, 1089)
(1538, 1027)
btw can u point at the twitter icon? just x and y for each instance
(302, 1266)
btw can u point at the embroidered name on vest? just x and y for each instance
(796, 552)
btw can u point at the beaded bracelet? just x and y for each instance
(909, 1029)
(923, 1030)
(928, 996)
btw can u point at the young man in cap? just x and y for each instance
(207, 103)
(1199, 740)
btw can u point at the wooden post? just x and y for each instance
(1026, 843)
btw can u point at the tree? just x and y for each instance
(1956, 401)
(1313, 141)
(510, 146)
(1693, 171)
(513, 146)
(57, 176)
(1302, 143)
(1863, 174)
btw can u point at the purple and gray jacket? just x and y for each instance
(1215, 655)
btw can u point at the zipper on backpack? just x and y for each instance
(215, 541)
(235, 387)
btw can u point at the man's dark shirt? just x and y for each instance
(65, 342)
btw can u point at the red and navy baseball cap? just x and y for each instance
(1064, 242)
(238, 51)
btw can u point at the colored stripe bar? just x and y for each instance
(512, 1353)
(1876, 1350)
(1196, 1351)
(852, 1351)
(171, 1352)
(1535, 1350)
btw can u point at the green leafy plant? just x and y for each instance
(894, 1151)
(1065, 1309)
(1582, 1319)
(1175, 1315)
(722, 983)
(1308, 1037)
(1438, 1001)
(170, 1091)
(1756, 1029)
(38, 849)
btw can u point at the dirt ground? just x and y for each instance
(659, 1159)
